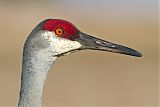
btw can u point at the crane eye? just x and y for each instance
(59, 31)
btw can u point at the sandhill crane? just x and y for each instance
(49, 40)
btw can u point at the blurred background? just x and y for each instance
(86, 78)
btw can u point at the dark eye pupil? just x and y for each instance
(59, 31)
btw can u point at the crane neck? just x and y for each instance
(35, 67)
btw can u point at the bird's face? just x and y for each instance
(64, 37)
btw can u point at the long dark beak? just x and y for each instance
(90, 42)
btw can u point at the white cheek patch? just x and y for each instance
(60, 45)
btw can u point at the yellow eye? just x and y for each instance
(59, 31)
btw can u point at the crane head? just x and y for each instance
(63, 37)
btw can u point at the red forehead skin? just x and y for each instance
(70, 31)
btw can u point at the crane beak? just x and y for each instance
(93, 43)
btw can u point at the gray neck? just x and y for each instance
(35, 67)
(37, 60)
